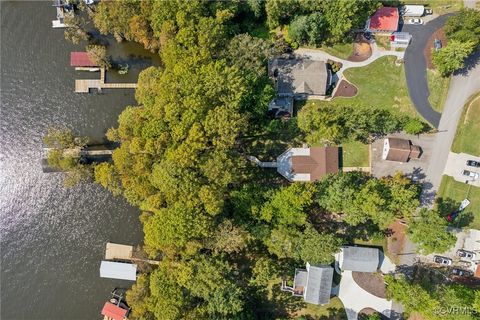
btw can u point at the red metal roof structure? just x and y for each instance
(114, 312)
(384, 19)
(81, 59)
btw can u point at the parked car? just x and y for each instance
(466, 254)
(437, 44)
(442, 260)
(471, 174)
(461, 272)
(416, 21)
(452, 216)
(367, 35)
(428, 11)
(473, 163)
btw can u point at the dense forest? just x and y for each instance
(225, 230)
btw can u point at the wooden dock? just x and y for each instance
(84, 85)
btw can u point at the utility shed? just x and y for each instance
(118, 270)
(115, 251)
(113, 312)
(359, 259)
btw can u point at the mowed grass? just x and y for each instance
(439, 6)
(468, 130)
(380, 84)
(333, 310)
(438, 87)
(355, 154)
(342, 50)
(457, 191)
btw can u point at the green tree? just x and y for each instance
(414, 126)
(318, 248)
(75, 29)
(429, 231)
(307, 29)
(452, 57)
(264, 271)
(105, 175)
(464, 27)
(98, 55)
(280, 11)
(288, 205)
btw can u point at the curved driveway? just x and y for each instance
(416, 68)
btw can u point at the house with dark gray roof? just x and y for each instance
(300, 78)
(314, 284)
(359, 259)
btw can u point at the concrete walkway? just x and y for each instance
(317, 54)
(354, 298)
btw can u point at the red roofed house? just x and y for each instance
(385, 20)
(113, 312)
(81, 59)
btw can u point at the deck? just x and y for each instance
(84, 85)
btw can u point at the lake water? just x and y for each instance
(52, 238)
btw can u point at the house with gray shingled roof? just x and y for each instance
(300, 78)
(359, 259)
(314, 284)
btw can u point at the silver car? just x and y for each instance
(469, 255)
(471, 174)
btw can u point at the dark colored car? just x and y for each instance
(442, 260)
(461, 272)
(437, 44)
(473, 163)
(452, 216)
(367, 35)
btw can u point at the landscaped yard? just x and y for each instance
(355, 154)
(457, 191)
(342, 51)
(333, 311)
(381, 84)
(438, 87)
(468, 131)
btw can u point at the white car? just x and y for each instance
(466, 254)
(471, 174)
(416, 21)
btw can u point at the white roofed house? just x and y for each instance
(314, 284)
(300, 78)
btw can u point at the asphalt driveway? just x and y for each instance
(416, 68)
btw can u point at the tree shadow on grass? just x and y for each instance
(446, 206)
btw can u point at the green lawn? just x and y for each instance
(381, 84)
(438, 6)
(438, 87)
(468, 130)
(355, 154)
(383, 42)
(333, 311)
(342, 51)
(457, 191)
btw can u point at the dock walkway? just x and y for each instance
(84, 85)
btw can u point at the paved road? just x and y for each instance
(416, 68)
(463, 85)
